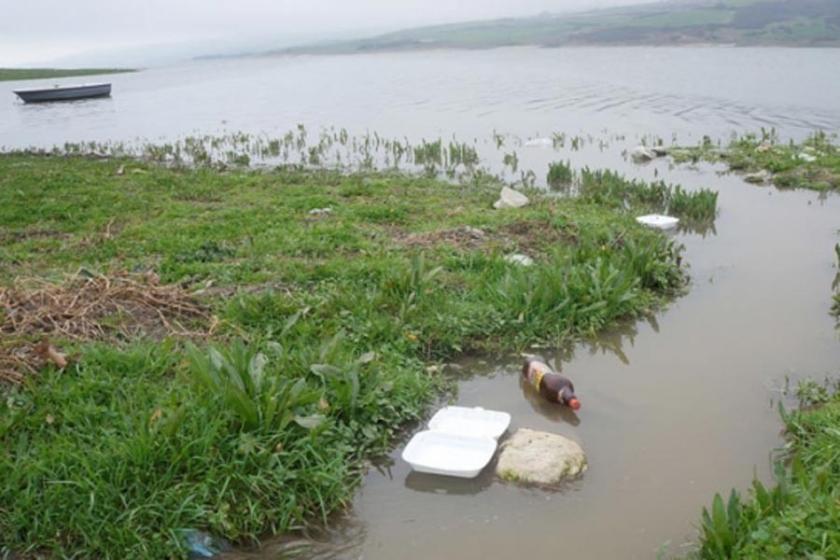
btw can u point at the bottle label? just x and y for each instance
(536, 374)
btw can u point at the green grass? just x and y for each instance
(328, 324)
(799, 516)
(813, 164)
(9, 74)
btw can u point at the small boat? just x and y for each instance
(64, 93)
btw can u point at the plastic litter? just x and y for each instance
(658, 221)
(474, 422)
(510, 198)
(460, 442)
(522, 260)
(202, 545)
(449, 454)
(539, 143)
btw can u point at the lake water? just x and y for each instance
(675, 407)
(685, 91)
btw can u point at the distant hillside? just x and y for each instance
(8, 74)
(738, 22)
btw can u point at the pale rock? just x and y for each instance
(759, 178)
(510, 198)
(641, 154)
(475, 233)
(534, 457)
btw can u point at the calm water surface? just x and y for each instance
(676, 407)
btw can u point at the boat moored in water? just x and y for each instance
(64, 93)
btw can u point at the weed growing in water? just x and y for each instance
(798, 517)
(610, 188)
(813, 164)
(560, 175)
(835, 308)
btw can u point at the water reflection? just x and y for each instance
(610, 342)
(702, 228)
(433, 484)
(339, 539)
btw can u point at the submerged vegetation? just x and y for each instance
(9, 74)
(835, 308)
(560, 174)
(812, 164)
(798, 517)
(251, 337)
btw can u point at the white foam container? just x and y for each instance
(449, 454)
(460, 441)
(475, 422)
(658, 221)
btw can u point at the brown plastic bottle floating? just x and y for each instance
(552, 386)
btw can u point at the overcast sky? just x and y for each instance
(90, 31)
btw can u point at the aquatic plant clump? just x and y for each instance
(798, 516)
(610, 188)
(560, 174)
(835, 307)
(813, 164)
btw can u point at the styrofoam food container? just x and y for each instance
(470, 421)
(658, 221)
(449, 454)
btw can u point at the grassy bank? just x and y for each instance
(799, 517)
(9, 74)
(224, 350)
(812, 164)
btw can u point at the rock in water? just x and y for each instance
(510, 198)
(760, 178)
(536, 457)
(642, 154)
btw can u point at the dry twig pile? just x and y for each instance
(89, 307)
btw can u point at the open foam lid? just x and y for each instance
(475, 422)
